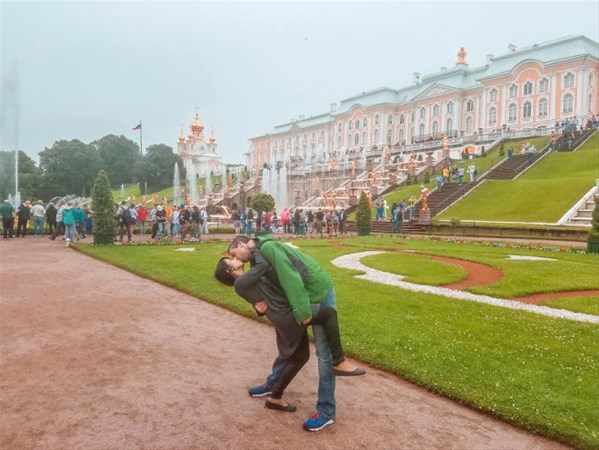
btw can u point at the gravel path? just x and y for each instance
(352, 261)
(94, 357)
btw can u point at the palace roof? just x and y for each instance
(461, 77)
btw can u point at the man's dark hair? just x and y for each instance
(223, 272)
(241, 239)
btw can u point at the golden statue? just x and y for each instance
(461, 56)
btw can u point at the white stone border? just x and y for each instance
(579, 204)
(352, 262)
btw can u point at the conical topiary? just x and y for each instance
(102, 207)
(363, 216)
(593, 241)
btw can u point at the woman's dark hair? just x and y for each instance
(223, 272)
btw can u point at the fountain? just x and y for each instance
(192, 186)
(122, 191)
(177, 186)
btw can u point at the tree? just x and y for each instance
(29, 176)
(68, 167)
(102, 206)
(119, 157)
(593, 240)
(156, 167)
(262, 202)
(363, 216)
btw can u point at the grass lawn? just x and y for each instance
(530, 370)
(416, 268)
(589, 305)
(543, 194)
(405, 193)
(520, 277)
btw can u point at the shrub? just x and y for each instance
(363, 216)
(102, 204)
(593, 241)
(262, 202)
(427, 177)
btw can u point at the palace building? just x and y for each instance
(526, 88)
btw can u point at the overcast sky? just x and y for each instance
(89, 69)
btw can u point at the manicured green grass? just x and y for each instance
(416, 268)
(520, 277)
(543, 194)
(588, 305)
(534, 371)
(132, 191)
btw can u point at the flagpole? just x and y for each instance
(141, 147)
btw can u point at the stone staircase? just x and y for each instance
(581, 213)
(440, 199)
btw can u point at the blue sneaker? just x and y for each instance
(261, 390)
(317, 423)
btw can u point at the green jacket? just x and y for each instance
(6, 210)
(301, 277)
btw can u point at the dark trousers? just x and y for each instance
(51, 227)
(290, 367)
(7, 225)
(22, 228)
(59, 230)
(125, 227)
(327, 317)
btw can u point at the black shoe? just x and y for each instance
(277, 407)
(354, 373)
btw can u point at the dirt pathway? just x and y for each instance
(93, 357)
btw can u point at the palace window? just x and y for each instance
(450, 108)
(364, 138)
(365, 122)
(513, 91)
(543, 107)
(544, 85)
(590, 80)
(493, 95)
(511, 115)
(349, 125)
(389, 136)
(569, 80)
(357, 139)
(421, 130)
(435, 127)
(348, 139)
(422, 113)
(469, 125)
(413, 116)
(390, 119)
(357, 124)
(436, 110)
(401, 119)
(568, 103)
(376, 119)
(339, 127)
(527, 110)
(469, 106)
(401, 136)
(376, 136)
(449, 127)
(492, 116)
(528, 88)
(339, 141)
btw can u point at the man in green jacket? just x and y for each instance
(6, 213)
(305, 283)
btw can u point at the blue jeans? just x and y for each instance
(325, 405)
(70, 232)
(38, 225)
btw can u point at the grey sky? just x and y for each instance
(88, 69)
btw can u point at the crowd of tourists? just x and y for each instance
(570, 133)
(69, 219)
(298, 221)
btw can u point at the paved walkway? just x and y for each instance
(93, 357)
